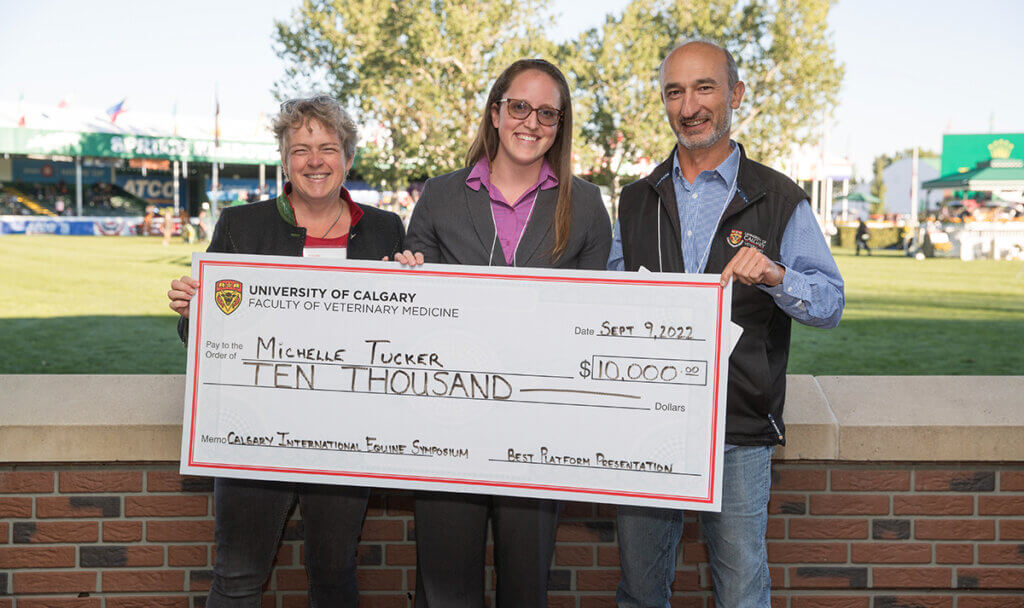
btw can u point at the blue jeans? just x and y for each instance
(250, 517)
(737, 552)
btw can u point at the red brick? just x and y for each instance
(56, 532)
(798, 479)
(608, 601)
(400, 555)
(574, 555)
(187, 555)
(122, 531)
(915, 601)
(954, 529)
(932, 504)
(143, 580)
(15, 507)
(58, 602)
(915, 578)
(827, 577)
(850, 504)
(828, 528)
(78, 506)
(4, 537)
(200, 580)
(383, 529)
(1011, 481)
(37, 557)
(810, 601)
(870, 480)
(597, 580)
(608, 556)
(954, 481)
(585, 531)
(171, 481)
(1001, 505)
(284, 555)
(891, 553)
(147, 602)
(806, 553)
(179, 531)
(561, 601)
(693, 601)
(1011, 529)
(100, 481)
(379, 580)
(292, 579)
(20, 482)
(165, 506)
(981, 601)
(787, 504)
(990, 578)
(693, 553)
(67, 581)
(776, 528)
(954, 553)
(685, 580)
(1000, 554)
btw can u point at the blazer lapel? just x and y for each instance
(478, 207)
(542, 218)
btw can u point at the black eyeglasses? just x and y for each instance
(521, 110)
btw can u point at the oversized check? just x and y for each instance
(577, 385)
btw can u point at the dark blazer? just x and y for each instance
(268, 228)
(452, 224)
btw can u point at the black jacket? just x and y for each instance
(268, 228)
(757, 215)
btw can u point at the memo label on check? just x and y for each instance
(580, 385)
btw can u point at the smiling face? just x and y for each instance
(698, 99)
(524, 142)
(316, 163)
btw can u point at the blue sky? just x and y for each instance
(913, 67)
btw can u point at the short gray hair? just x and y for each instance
(324, 109)
(730, 61)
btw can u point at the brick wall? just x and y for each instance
(839, 536)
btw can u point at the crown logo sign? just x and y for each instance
(1000, 148)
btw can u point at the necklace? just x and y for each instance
(341, 210)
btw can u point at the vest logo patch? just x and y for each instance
(738, 237)
(228, 295)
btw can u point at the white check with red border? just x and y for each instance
(575, 385)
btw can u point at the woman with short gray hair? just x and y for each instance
(313, 217)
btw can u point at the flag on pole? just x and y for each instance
(21, 114)
(174, 111)
(216, 117)
(116, 110)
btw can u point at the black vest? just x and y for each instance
(757, 216)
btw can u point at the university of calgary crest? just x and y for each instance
(735, 238)
(228, 295)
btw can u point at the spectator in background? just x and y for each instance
(863, 236)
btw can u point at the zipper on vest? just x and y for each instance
(771, 419)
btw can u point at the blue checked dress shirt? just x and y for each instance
(811, 291)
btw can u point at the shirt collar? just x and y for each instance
(284, 206)
(726, 170)
(480, 175)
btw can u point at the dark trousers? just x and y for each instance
(250, 517)
(451, 544)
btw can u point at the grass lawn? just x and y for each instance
(98, 305)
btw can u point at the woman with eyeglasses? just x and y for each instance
(516, 203)
(313, 217)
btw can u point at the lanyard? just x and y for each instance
(707, 249)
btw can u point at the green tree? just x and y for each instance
(784, 54)
(419, 71)
(878, 183)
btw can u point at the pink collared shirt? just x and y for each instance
(510, 220)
